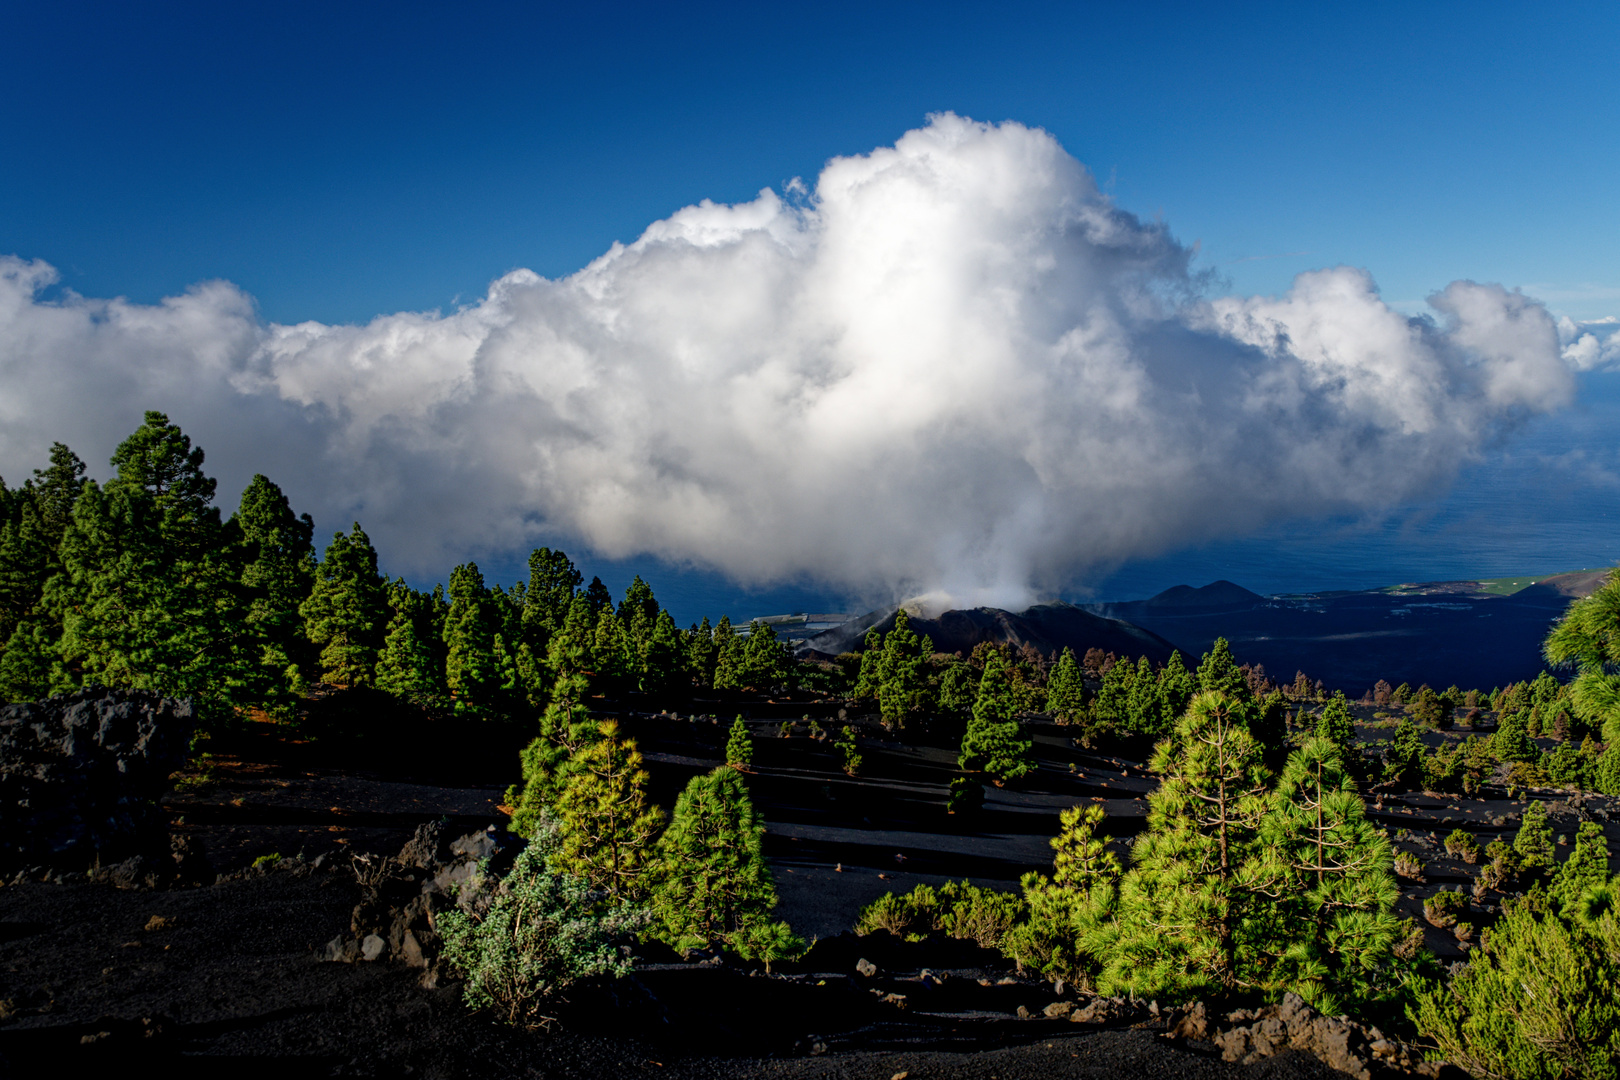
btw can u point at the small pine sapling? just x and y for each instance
(739, 746)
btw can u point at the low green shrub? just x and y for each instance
(541, 932)
(959, 910)
(1441, 909)
(1537, 1001)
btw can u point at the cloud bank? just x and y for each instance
(953, 364)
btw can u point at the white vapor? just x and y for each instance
(954, 365)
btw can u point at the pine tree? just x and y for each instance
(766, 660)
(700, 653)
(278, 575)
(1586, 868)
(606, 827)
(570, 650)
(868, 680)
(739, 746)
(991, 744)
(1111, 709)
(1403, 758)
(147, 598)
(1219, 673)
(1142, 702)
(1511, 742)
(598, 597)
(1176, 689)
(27, 558)
(637, 611)
(1534, 844)
(1066, 690)
(1066, 909)
(902, 683)
(1338, 726)
(1182, 905)
(346, 614)
(30, 667)
(663, 663)
(1587, 638)
(406, 666)
(553, 581)
(957, 689)
(613, 649)
(55, 489)
(547, 762)
(1328, 872)
(728, 656)
(714, 885)
(473, 664)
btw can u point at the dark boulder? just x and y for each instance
(81, 775)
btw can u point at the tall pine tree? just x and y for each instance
(346, 614)
(991, 743)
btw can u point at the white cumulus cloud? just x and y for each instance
(951, 364)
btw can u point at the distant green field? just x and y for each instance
(1507, 586)
(1502, 586)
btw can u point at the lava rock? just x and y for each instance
(81, 775)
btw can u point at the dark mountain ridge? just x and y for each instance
(1049, 628)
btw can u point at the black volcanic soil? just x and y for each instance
(235, 980)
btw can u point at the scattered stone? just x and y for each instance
(1338, 1042)
(866, 967)
(897, 1000)
(158, 922)
(1059, 1010)
(371, 947)
(1023, 1012)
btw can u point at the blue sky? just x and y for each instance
(336, 162)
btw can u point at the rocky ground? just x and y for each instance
(236, 973)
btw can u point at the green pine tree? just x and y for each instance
(714, 885)
(1587, 639)
(868, 680)
(1329, 873)
(1219, 673)
(553, 581)
(406, 666)
(1404, 757)
(901, 676)
(606, 826)
(957, 689)
(346, 614)
(547, 763)
(1176, 689)
(663, 659)
(700, 653)
(1142, 702)
(473, 667)
(30, 667)
(1067, 908)
(278, 575)
(1182, 907)
(991, 744)
(1587, 868)
(55, 489)
(739, 746)
(767, 661)
(1533, 846)
(1066, 690)
(1338, 726)
(613, 649)
(1111, 709)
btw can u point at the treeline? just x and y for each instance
(141, 582)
